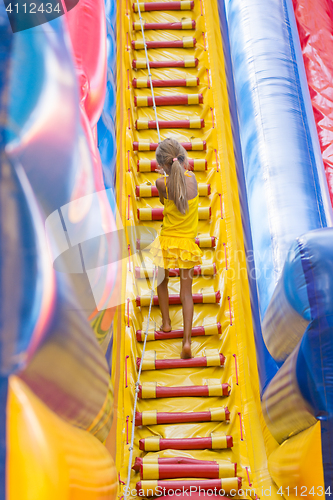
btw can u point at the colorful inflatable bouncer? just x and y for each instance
(95, 401)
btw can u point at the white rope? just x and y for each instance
(153, 285)
(149, 74)
(137, 390)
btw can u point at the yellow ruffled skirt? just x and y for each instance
(171, 252)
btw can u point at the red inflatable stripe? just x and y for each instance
(176, 334)
(174, 471)
(184, 485)
(186, 391)
(179, 418)
(315, 28)
(165, 364)
(163, 44)
(157, 213)
(153, 165)
(174, 299)
(176, 460)
(172, 100)
(174, 273)
(150, 6)
(165, 26)
(186, 443)
(172, 124)
(166, 64)
(197, 241)
(181, 82)
(153, 146)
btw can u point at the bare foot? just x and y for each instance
(165, 327)
(186, 352)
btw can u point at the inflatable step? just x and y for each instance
(187, 62)
(191, 81)
(149, 191)
(157, 213)
(146, 145)
(174, 299)
(151, 363)
(201, 241)
(201, 270)
(184, 24)
(175, 471)
(186, 42)
(145, 124)
(172, 100)
(157, 443)
(156, 418)
(178, 334)
(151, 165)
(152, 459)
(153, 391)
(151, 6)
(151, 488)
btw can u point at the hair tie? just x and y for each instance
(175, 159)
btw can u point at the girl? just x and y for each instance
(176, 247)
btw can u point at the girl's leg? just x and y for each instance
(163, 298)
(186, 276)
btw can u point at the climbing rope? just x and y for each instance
(149, 73)
(153, 284)
(137, 389)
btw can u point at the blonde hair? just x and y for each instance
(166, 152)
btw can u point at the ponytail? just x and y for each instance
(173, 158)
(177, 187)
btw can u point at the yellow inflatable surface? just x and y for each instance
(252, 443)
(49, 458)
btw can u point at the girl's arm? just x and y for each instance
(160, 187)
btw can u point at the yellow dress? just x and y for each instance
(176, 247)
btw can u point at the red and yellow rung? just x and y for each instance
(153, 417)
(149, 362)
(186, 42)
(174, 299)
(157, 213)
(201, 270)
(151, 6)
(148, 190)
(178, 334)
(202, 242)
(145, 124)
(184, 24)
(143, 82)
(187, 62)
(172, 100)
(156, 459)
(151, 165)
(175, 471)
(156, 443)
(206, 241)
(146, 145)
(150, 390)
(155, 487)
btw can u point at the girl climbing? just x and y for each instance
(176, 247)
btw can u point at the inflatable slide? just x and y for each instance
(95, 401)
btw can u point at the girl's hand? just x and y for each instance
(159, 170)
